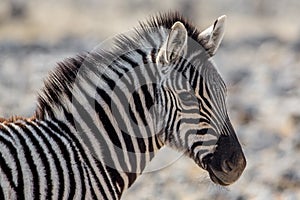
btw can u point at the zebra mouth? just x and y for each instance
(215, 178)
(213, 174)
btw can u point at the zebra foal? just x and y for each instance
(102, 116)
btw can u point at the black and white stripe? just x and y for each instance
(102, 116)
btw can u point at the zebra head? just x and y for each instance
(194, 94)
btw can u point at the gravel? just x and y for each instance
(259, 61)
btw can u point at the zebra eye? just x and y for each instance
(186, 96)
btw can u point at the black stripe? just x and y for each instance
(82, 178)
(175, 106)
(102, 141)
(203, 143)
(195, 78)
(195, 144)
(69, 117)
(181, 65)
(76, 158)
(171, 107)
(151, 69)
(148, 64)
(116, 177)
(140, 139)
(86, 117)
(29, 161)
(77, 155)
(165, 98)
(113, 136)
(140, 76)
(119, 65)
(59, 169)
(206, 101)
(14, 153)
(131, 178)
(87, 162)
(132, 115)
(189, 132)
(2, 193)
(153, 55)
(139, 107)
(157, 142)
(65, 153)
(45, 108)
(121, 124)
(127, 59)
(43, 157)
(93, 193)
(150, 145)
(143, 54)
(7, 172)
(148, 97)
(111, 83)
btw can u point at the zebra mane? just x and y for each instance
(59, 83)
(165, 20)
(12, 119)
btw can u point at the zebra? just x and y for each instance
(102, 116)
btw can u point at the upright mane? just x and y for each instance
(59, 82)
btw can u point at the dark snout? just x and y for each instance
(227, 163)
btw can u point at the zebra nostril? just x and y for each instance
(226, 166)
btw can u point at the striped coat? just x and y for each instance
(102, 116)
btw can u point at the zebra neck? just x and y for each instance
(116, 117)
(110, 102)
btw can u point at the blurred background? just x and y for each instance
(259, 60)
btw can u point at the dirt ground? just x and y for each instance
(259, 60)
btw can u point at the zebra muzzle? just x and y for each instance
(226, 164)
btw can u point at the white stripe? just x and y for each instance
(50, 160)
(27, 175)
(9, 192)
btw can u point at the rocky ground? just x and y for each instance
(259, 60)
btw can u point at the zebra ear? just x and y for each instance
(175, 45)
(211, 37)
